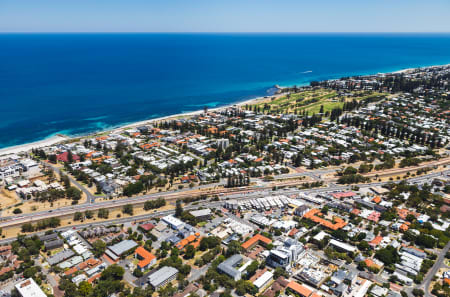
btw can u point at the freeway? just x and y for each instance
(118, 220)
(174, 195)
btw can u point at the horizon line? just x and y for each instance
(223, 32)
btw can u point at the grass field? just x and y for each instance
(310, 101)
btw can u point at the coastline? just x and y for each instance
(61, 138)
(37, 144)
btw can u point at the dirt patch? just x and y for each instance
(33, 206)
(114, 213)
(8, 198)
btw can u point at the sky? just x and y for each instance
(224, 16)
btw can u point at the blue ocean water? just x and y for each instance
(79, 83)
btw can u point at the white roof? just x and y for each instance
(171, 220)
(201, 212)
(343, 245)
(29, 288)
(263, 279)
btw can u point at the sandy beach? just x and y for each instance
(60, 138)
(187, 114)
(28, 146)
(410, 69)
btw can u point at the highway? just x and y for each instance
(119, 220)
(180, 194)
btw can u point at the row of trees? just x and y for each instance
(393, 130)
(41, 225)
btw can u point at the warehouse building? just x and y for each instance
(59, 257)
(117, 250)
(162, 277)
(54, 244)
(201, 214)
(229, 267)
(263, 280)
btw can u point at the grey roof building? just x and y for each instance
(59, 257)
(228, 266)
(201, 214)
(48, 237)
(162, 276)
(50, 245)
(122, 247)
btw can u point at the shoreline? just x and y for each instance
(36, 144)
(20, 148)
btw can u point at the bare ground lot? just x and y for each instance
(33, 206)
(114, 213)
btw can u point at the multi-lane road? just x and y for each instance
(174, 195)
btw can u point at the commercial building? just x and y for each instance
(173, 222)
(117, 250)
(162, 276)
(59, 257)
(263, 280)
(284, 256)
(257, 239)
(229, 267)
(54, 244)
(299, 289)
(146, 258)
(29, 288)
(314, 215)
(201, 214)
(343, 246)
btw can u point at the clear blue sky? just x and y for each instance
(224, 16)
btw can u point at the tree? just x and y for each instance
(245, 287)
(85, 289)
(279, 271)
(362, 265)
(133, 188)
(388, 255)
(52, 158)
(98, 248)
(137, 272)
(128, 209)
(78, 216)
(251, 269)
(234, 247)
(17, 211)
(65, 180)
(73, 193)
(153, 204)
(114, 272)
(363, 246)
(426, 241)
(190, 252)
(103, 213)
(70, 157)
(27, 227)
(178, 209)
(418, 292)
(209, 242)
(89, 214)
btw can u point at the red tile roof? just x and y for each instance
(255, 239)
(302, 290)
(146, 256)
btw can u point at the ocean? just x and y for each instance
(75, 84)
